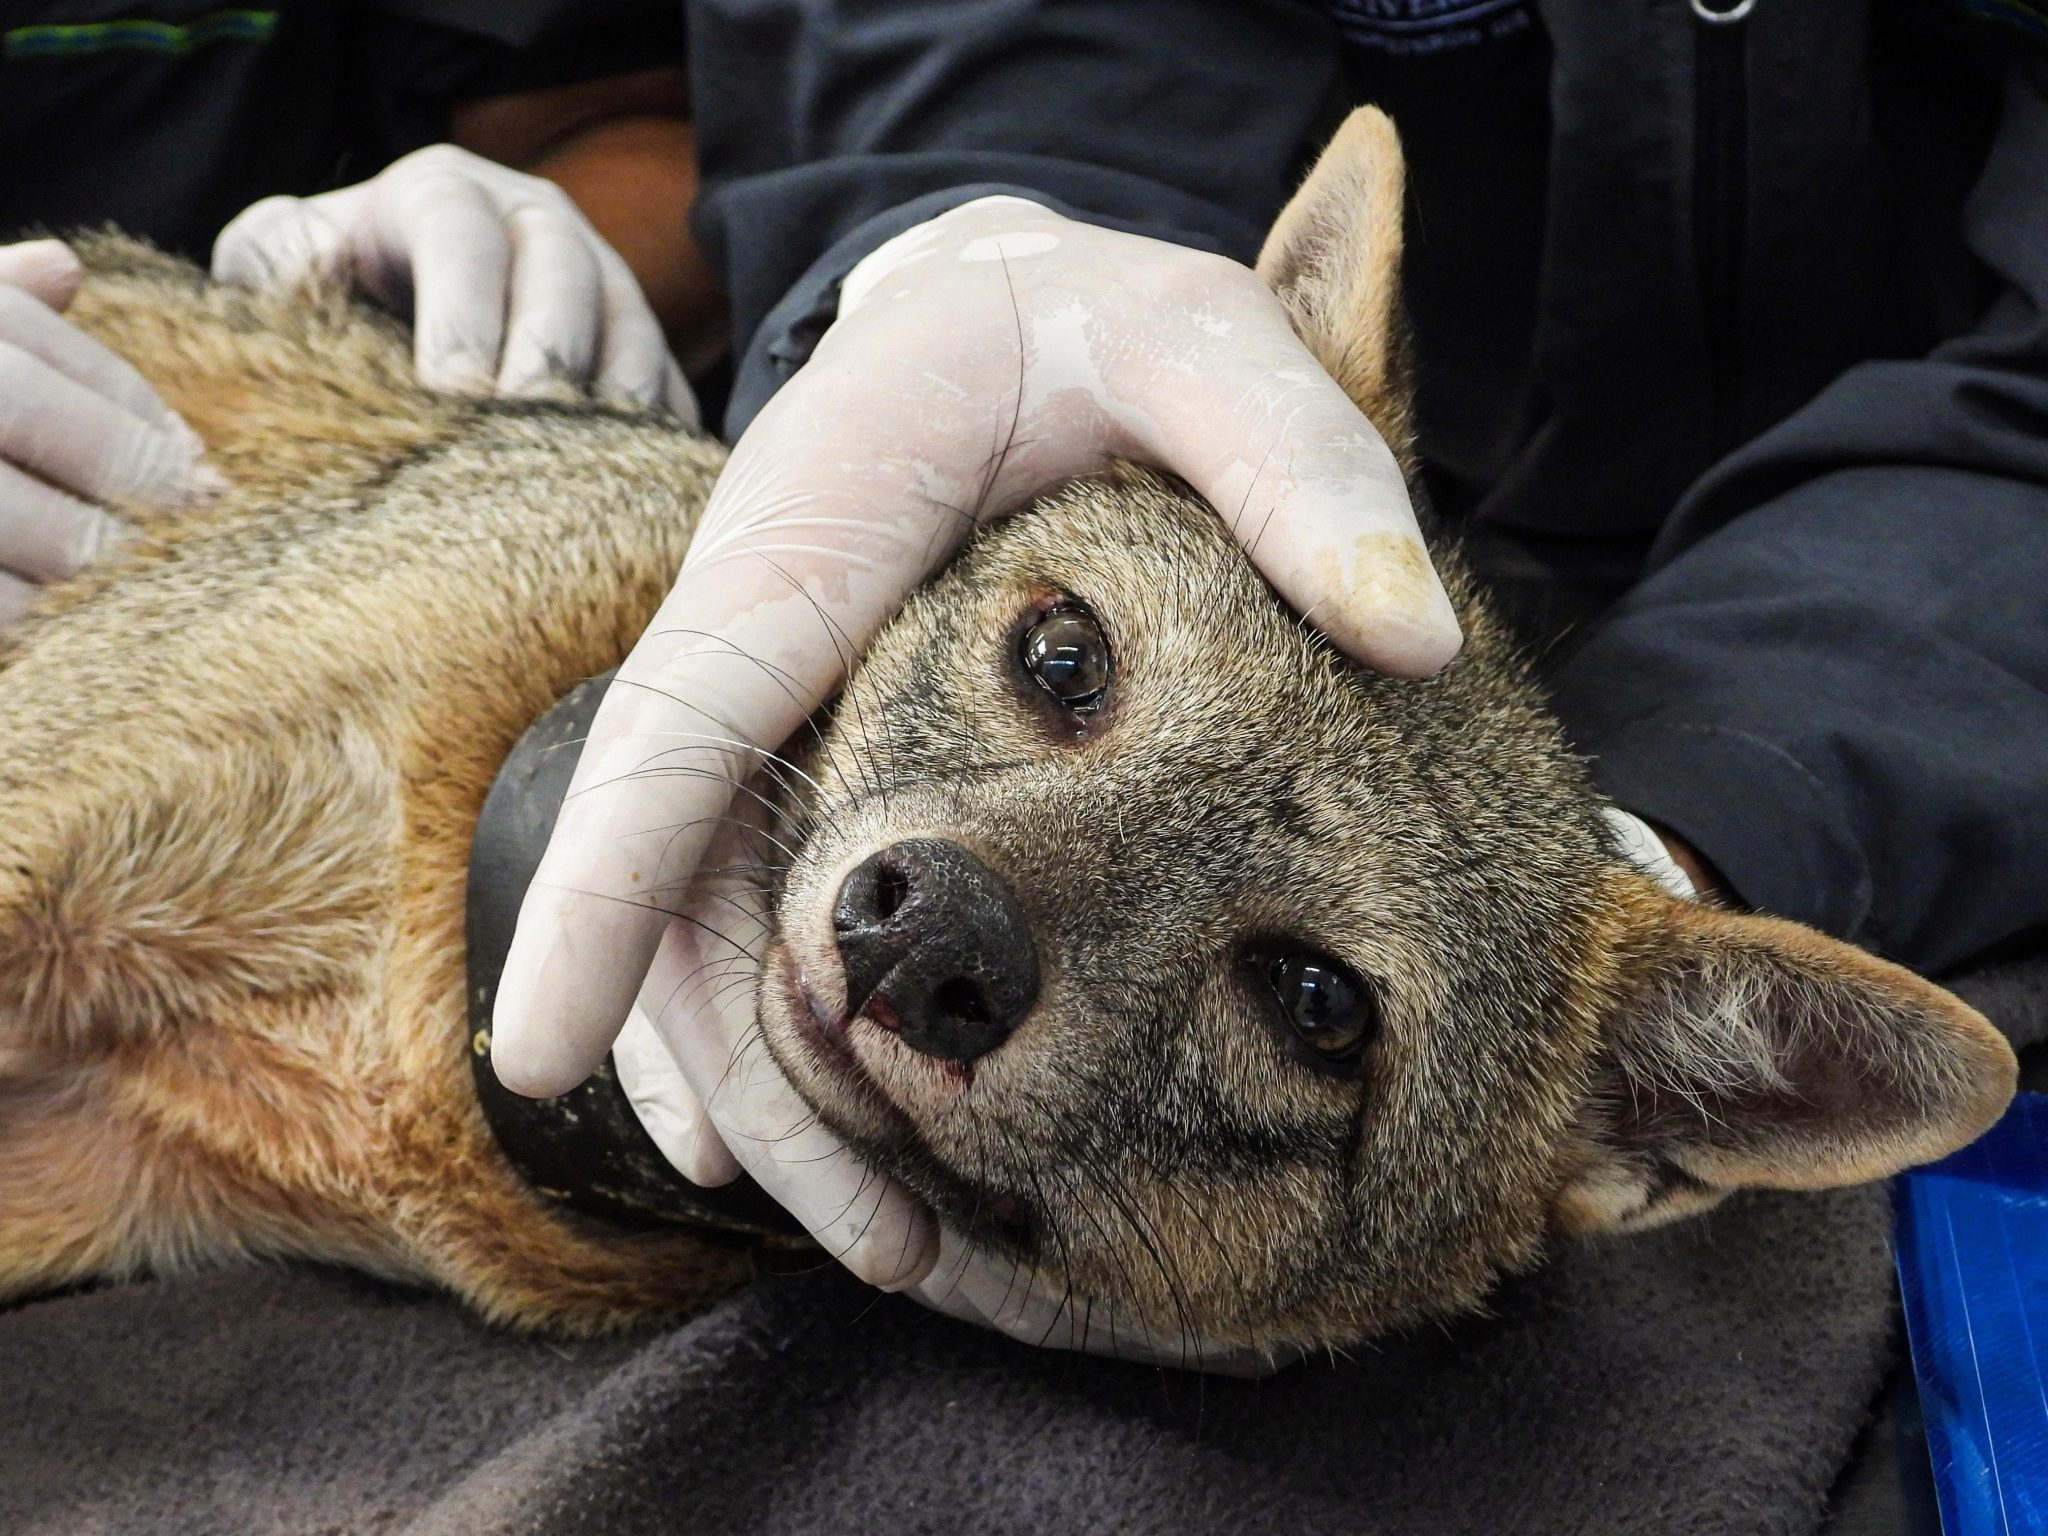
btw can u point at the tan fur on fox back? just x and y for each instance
(243, 759)
(358, 505)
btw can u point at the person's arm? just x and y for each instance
(825, 129)
(1835, 684)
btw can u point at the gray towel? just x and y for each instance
(1707, 1378)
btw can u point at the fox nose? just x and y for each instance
(935, 947)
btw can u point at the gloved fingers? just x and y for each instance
(667, 1106)
(551, 326)
(640, 811)
(15, 597)
(740, 654)
(594, 916)
(634, 363)
(863, 1219)
(1307, 485)
(448, 233)
(506, 281)
(281, 241)
(46, 535)
(48, 270)
(864, 473)
(1641, 846)
(576, 962)
(678, 398)
(1128, 347)
(30, 324)
(80, 440)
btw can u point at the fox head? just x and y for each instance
(1271, 1001)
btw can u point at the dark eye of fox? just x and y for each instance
(1330, 1010)
(1067, 656)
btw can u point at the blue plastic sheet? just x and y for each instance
(1973, 1267)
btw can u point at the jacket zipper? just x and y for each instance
(1719, 198)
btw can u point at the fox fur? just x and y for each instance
(244, 759)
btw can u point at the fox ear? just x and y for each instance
(1334, 259)
(1751, 1051)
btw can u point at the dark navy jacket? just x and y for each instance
(169, 117)
(1733, 335)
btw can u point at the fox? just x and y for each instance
(1159, 947)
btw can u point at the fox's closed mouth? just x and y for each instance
(828, 1034)
(826, 1029)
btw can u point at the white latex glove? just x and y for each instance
(77, 426)
(976, 360)
(510, 289)
(1642, 847)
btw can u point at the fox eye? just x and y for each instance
(1067, 656)
(1331, 1011)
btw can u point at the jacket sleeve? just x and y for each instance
(826, 126)
(419, 58)
(1834, 683)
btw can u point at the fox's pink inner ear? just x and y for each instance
(1747, 1051)
(1333, 257)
